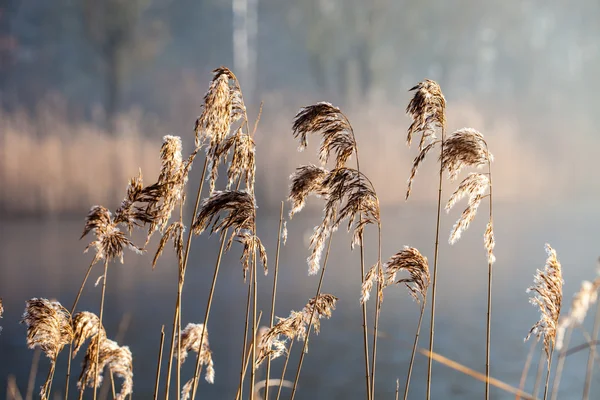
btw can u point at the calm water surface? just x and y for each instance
(45, 259)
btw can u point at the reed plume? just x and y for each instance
(195, 338)
(336, 131)
(295, 326)
(243, 160)
(85, 325)
(547, 296)
(110, 240)
(49, 328)
(118, 359)
(427, 110)
(174, 232)
(307, 180)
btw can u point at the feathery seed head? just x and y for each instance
(307, 180)
(193, 339)
(465, 147)
(239, 204)
(85, 325)
(587, 295)
(547, 296)
(413, 262)
(427, 110)
(338, 136)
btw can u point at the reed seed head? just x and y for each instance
(110, 241)
(193, 339)
(416, 163)
(118, 359)
(307, 180)
(174, 232)
(48, 326)
(412, 261)
(85, 325)
(240, 206)
(547, 296)
(243, 161)
(465, 147)
(371, 277)
(427, 110)
(252, 245)
(474, 185)
(328, 120)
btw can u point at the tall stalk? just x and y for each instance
(312, 315)
(377, 312)
(489, 296)
(274, 295)
(207, 313)
(414, 351)
(96, 372)
(590, 364)
(181, 279)
(435, 264)
(245, 341)
(526, 369)
(549, 364)
(35, 362)
(287, 359)
(252, 369)
(87, 274)
(538, 375)
(561, 362)
(160, 354)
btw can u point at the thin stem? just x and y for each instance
(176, 319)
(397, 388)
(414, 351)
(312, 314)
(254, 327)
(207, 313)
(243, 369)
(35, 362)
(287, 359)
(526, 368)
(561, 362)
(489, 299)
(160, 354)
(377, 313)
(538, 375)
(364, 320)
(435, 264)
(247, 357)
(47, 388)
(548, 373)
(68, 377)
(590, 363)
(96, 369)
(274, 295)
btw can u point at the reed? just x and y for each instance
(467, 147)
(547, 296)
(427, 110)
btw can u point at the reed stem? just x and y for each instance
(68, 377)
(312, 315)
(414, 351)
(160, 354)
(435, 265)
(254, 327)
(246, 358)
(377, 313)
(287, 359)
(246, 323)
(207, 313)
(538, 375)
(561, 362)
(96, 369)
(176, 316)
(549, 363)
(273, 296)
(489, 297)
(590, 364)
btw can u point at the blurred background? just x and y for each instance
(89, 87)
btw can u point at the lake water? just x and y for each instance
(45, 259)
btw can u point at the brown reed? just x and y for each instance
(427, 110)
(547, 296)
(463, 148)
(195, 338)
(49, 328)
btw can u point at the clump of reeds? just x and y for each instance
(547, 296)
(49, 328)
(195, 338)
(347, 192)
(427, 110)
